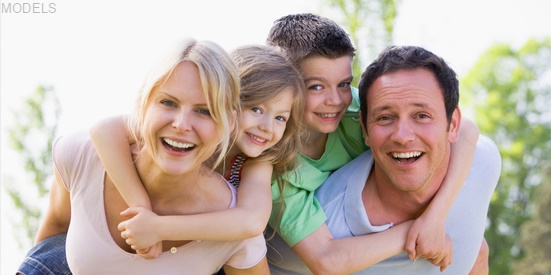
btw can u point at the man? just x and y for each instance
(410, 116)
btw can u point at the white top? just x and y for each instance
(92, 250)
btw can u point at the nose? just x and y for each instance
(403, 132)
(266, 124)
(182, 122)
(334, 97)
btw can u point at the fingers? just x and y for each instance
(131, 211)
(411, 245)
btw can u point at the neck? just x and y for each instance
(163, 187)
(386, 203)
(314, 144)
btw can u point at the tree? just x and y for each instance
(31, 136)
(536, 234)
(511, 88)
(370, 24)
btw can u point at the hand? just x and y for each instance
(151, 252)
(427, 239)
(140, 232)
(448, 256)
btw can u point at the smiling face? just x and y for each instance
(407, 129)
(327, 83)
(178, 130)
(262, 126)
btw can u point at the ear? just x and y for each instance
(455, 123)
(364, 130)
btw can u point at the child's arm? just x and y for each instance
(112, 141)
(323, 254)
(427, 235)
(246, 220)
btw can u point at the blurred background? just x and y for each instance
(66, 64)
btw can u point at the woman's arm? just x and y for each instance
(58, 215)
(427, 236)
(112, 141)
(246, 220)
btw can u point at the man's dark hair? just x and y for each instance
(396, 58)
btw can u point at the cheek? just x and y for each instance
(279, 133)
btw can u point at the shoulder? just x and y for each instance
(487, 152)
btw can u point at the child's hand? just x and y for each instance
(447, 258)
(140, 231)
(151, 252)
(427, 239)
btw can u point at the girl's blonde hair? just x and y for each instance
(265, 73)
(220, 82)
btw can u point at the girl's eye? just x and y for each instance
(168, 103)
(281, 118)
(315, 87)
(256, 110)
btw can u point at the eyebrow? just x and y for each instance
(389, 107)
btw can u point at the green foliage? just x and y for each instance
(510, 88)
(31, 136)
(370, 24)
(536, 234)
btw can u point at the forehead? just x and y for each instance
(406, 86)
(326, 68)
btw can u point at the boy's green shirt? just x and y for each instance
(303, 214)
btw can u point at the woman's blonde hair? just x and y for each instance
(220, 82)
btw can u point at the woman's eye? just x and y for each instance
(204, 111)
(168, 103)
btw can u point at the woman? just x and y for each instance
(178, 128)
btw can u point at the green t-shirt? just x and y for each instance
(303, 214)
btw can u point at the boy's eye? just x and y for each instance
(315, 87)
(344, 85)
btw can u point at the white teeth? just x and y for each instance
(257, 138)
(327, 115)
(178, 144)
(406, 155)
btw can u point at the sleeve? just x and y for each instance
(249, 254)
(302, 214)
(67, 155)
